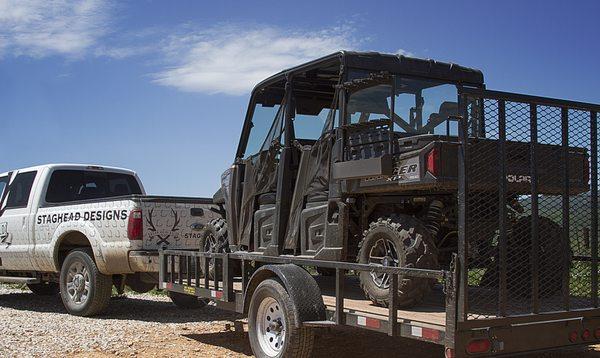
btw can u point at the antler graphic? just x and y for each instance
(177, 221)
(149, 221)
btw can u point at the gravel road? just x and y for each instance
(150, 326)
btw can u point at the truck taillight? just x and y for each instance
(135, 225)
(433, 161)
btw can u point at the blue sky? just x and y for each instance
(161, 87)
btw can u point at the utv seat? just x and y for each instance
(267, 199)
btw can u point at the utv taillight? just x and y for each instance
(433, 161)
(135, 225)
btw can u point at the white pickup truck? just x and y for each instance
(80, 229)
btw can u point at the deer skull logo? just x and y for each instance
(161, 235)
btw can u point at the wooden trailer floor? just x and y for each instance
(430, 312)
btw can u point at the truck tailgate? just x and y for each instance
(175, 223)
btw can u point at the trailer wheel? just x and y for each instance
(399, 242)
(272, 325)
(187, 302)
(44, 288)
(84, 290)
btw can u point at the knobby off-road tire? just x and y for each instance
(44, 288)
(187, 302)
(272, 324)
(214, 240)
(84, 290)
(414, 248)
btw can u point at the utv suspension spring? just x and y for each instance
(434, 217)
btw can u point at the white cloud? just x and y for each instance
(40, 28)
(403, 52)
(232, 59)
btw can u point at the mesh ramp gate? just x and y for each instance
(528, 209)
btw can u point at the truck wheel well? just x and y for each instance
(68, 242)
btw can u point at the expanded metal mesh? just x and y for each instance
(528, 208)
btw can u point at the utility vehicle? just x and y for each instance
(472, 211)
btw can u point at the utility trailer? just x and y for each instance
(480, 224)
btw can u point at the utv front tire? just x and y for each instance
(84, 290)
(44, 288)
(399, 242)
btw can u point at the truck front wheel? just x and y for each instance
(271, 324)
(84, 290)
(399, 242)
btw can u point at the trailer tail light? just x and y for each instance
(597, 333)
(433, 161)
(585, 335)
(135, 225)
(573, 336)
(479, 346)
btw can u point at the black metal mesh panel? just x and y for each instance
(528, 221)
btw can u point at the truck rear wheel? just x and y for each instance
(272, 324)
(44, 288)
(84, 290)
(399, 242)
(187, 302)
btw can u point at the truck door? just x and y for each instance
(15, 223)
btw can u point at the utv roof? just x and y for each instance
(398, 64)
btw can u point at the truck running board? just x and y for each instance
(26, 280)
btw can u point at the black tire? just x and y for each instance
(554, 257)
(295, 342)
(137, 284)
(187, 302)
(44, 288)
(414, 248)
(214, 240)
(99, 289)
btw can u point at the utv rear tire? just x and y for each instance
(44, 288)
(272, 324)
(187, 302)
(414, 248)
(84, 290)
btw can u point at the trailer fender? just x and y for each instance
(300, 285)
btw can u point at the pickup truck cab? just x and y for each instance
(80, 229)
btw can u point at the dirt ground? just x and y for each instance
(150, 326)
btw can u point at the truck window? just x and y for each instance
(3, 181)
(75, 185)
(262, 126)
(18, 196)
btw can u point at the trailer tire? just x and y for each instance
(44, 288)
(79, 271)
(272, 327)
(414, 248)
(187, 302)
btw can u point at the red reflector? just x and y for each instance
(450, 353)
(586, 335)
(433, 158)
(135, 225)
(431, 334)
(368, 322)
(479, 346)
(573, 336)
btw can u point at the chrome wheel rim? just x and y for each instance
(78, 283)
(270, 327)
(383, 253)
